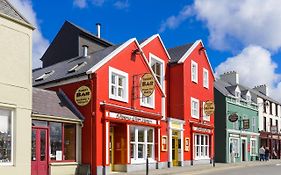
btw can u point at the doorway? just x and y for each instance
(39, 151)
(175, 149)
(111, 148)
(244, 150)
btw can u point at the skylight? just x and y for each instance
(45, 75)
(77, 67)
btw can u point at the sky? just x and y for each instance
(240, 35)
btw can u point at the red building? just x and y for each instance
(191, 131)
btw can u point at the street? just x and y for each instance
(259, 170)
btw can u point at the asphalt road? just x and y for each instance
(260, 170)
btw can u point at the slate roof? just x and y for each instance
(227, 89)
(89, 33)
(176, 53)
(8, 9)
(61, 69)
(56, 104)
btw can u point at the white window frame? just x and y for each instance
(154, 58)
(144, 103)
(236, 154)
(254, 124)
(237, 94)
(11, 163)
(206, 144)
(206, 79)
(205, 117)
(195, 77)
(135, 159)
(191, 107)
(119, 73)
(251, 147)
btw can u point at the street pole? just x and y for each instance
(147, 166)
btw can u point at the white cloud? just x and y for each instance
(80, 3)
(255, 67)
(124, 4)
(40, 43)
(98, 2)
(241, 21)
(173, 22)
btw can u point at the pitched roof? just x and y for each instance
(89, 33)
(177, 53)
(9, 10)
(61, 69)
(56, 104)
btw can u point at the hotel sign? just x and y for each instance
(82, 96)
(131, 118)
(147, 85)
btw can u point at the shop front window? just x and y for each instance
(56, 141)
(5, 136)
(141, 143)
(253, 147)
(201, 146)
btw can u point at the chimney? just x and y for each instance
(262, 89)
(98, 29)
(85, 50)
(231, 77)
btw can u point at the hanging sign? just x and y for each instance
(246, 124)
(82, 96)
(233, 117)
(147, 84)
(209, 107)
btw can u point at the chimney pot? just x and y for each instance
(85, 50)
(98, 29)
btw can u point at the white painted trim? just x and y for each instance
(176, 120)
(106, 142)
(253, 139)
(182, 145)
(242, 132)
(195, 100)
(157, 59)
(128, 144)
(163, 107)
(191, 49)
(110, 56)
(197, 72)
(246, 150)
(159, 145)
(152, 106)
(148, 40)
(170, 145)
(126, 88)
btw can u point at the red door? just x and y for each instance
(39, 151)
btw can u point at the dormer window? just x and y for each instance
(45, 75)
(248, 97)
(237, 94)
(77, 67)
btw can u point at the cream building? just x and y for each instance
(15, 91)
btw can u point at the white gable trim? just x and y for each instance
(118, 50)
(110, 56)
(152, 38)
(191, 49)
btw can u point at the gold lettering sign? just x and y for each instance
(147, 84)
(82, 96)
(209, 107)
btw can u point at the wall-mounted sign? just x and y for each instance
(131, 118)
(164, 143)
(209, 107)
(186, 144)
(147, 84)
(201, 129)
(233, 117)
(273, 129)
(82, 96)
(246, 123)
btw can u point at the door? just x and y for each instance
(39, 156)
(243, 150)
(175, 150)
(111, 148)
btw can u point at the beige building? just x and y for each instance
(15, 91)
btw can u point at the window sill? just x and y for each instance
(147, 106)
(63, 163)
(6, 164)
(125, 100)
(202, 158)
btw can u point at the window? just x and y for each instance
(69, 141)
(236, 125)
(248, 98)
(270, 107)
(141, 143)
(195, 108)
(264, 106)
(157, 66)
(147, 101)
(56, 141)
(118, 85)
(235, 146)
(201, 146)
(276, 110)
(194, 71)
(205, 78)
(237, 94)
(264, 124)
(6, 137)
(253, 147)
(45, 75)
(77, 67)
(254, 124)
(205, 117)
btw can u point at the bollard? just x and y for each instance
(147, 166)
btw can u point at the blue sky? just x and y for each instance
(241, 35)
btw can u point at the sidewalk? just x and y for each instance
(197, 169)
